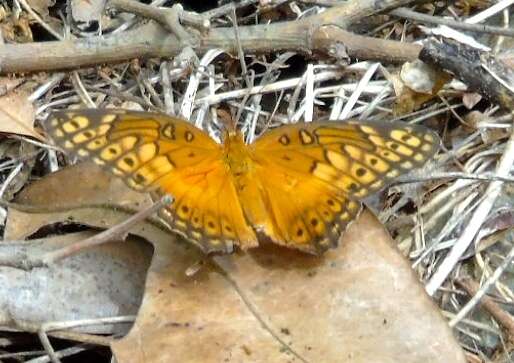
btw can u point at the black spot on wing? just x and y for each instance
(284, 140)
(189, 136)
(306, 138)
(169, 131)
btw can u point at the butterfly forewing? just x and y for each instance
(354, 157)
(139, 147)
(162, 154)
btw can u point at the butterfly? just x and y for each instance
(299, 184)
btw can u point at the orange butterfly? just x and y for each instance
(299, 184)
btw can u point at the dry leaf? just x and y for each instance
(16, 29)
(23, 153)
(82, 185)
(17, 114)
(87, 10)
(41, 6)
(102, 282)
(360, 303)
(8, 84)
(470, 99)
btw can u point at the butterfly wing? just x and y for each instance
(314, 174)
(154, 152)
(302, 212)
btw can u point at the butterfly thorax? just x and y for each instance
(236, 155)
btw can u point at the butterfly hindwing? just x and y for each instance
(307, 213)
(207, 209)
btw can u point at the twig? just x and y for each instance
(83, 337)
(21, 354)
(452, 175)
(54, 79)
(430, 19)
(490, 11)
(52, 326)
(309, 93)
(186, 107)
(125, 97)
(478, 294)
(227, 8)
(37, 18)
(10, 178)
(60, 325)
(167, 89)
(467, 64)
(244, 69)
(479, 28)
(46, 329)
(105, 236)
(170, 18)
(81, 90)
(240, 51)
(272, 87)
(43, 338)
(154, 95)
(59, 354)
(363, 82)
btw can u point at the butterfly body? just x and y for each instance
(299, 184)
(236, 155)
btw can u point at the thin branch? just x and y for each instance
(453, 175)
(478, 294)
(59, 354)
(43, 338)
(170, 18)
(37, 18)
(424, 18)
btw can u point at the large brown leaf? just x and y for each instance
(359, 303)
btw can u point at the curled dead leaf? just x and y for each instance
(17, 114)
